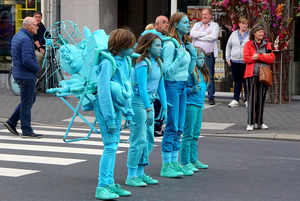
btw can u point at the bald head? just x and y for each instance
(162, 24)
(30, 24)
(27, 21)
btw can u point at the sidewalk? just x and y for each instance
(219, 120)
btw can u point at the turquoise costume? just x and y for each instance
(108, 116)
(178, 64)
(142, 135)
(193, 122)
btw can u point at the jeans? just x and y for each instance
(107, 137)
(23, 110)
(238, 71)
(210, 63)
(110, 141)
(190, 135)
(107, 165)
(141, 136)
(176, 96)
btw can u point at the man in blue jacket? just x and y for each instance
(25, 70)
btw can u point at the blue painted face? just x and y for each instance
(183, 26)
(200, 60)
(156, 48)
(126, 52)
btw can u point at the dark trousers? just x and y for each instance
(238, 71)
(256, 93)
(158, 123)
(23, 110)
(210, 63)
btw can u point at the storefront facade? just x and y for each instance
(135, 14)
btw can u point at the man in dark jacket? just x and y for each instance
(25, 69)
(39, 41)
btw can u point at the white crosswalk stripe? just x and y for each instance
(14, 172)
(39, 159)
(49, 149)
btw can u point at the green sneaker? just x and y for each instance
(103, 193)
(192, 167)
(176, 166)
(135, 182)
(168, 171)
(116, 188)
(148, 180)
(200, 165)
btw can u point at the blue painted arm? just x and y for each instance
(189, 85)
(162, 93)
(141, 73)
(104, 94)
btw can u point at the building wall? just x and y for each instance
(95, 14)
(108, 11)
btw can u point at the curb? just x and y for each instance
(268, 136)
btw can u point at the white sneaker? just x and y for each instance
(233, 103)
(264, 126)
(249, 127)
(246, 103)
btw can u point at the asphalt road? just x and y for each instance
(239, 169)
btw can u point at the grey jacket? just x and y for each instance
(234, 50)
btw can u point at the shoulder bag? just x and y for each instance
(265, 75)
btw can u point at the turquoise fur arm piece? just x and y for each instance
(171, 39)
(161, 65)
(136, 55)
(111, 59)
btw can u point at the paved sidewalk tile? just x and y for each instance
(218, 120)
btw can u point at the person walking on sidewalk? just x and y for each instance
(178, 64)
(195, 89)
(234, 58)
(257, 51)
(25, 69)
(205, 35)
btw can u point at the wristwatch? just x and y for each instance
(39, 48)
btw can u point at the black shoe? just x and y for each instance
(211, 101)
(158, 133)
(32, 135)
(11, 128)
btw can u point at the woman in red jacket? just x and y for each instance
(257, 51)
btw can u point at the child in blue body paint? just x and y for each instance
(178, 64)
(196, 89)
(107, 112)
(145, 89)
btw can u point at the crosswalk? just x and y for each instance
(49, 150)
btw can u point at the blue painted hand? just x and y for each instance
(191, 49)
(149, 118)
(112, 128)
(195, 89)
